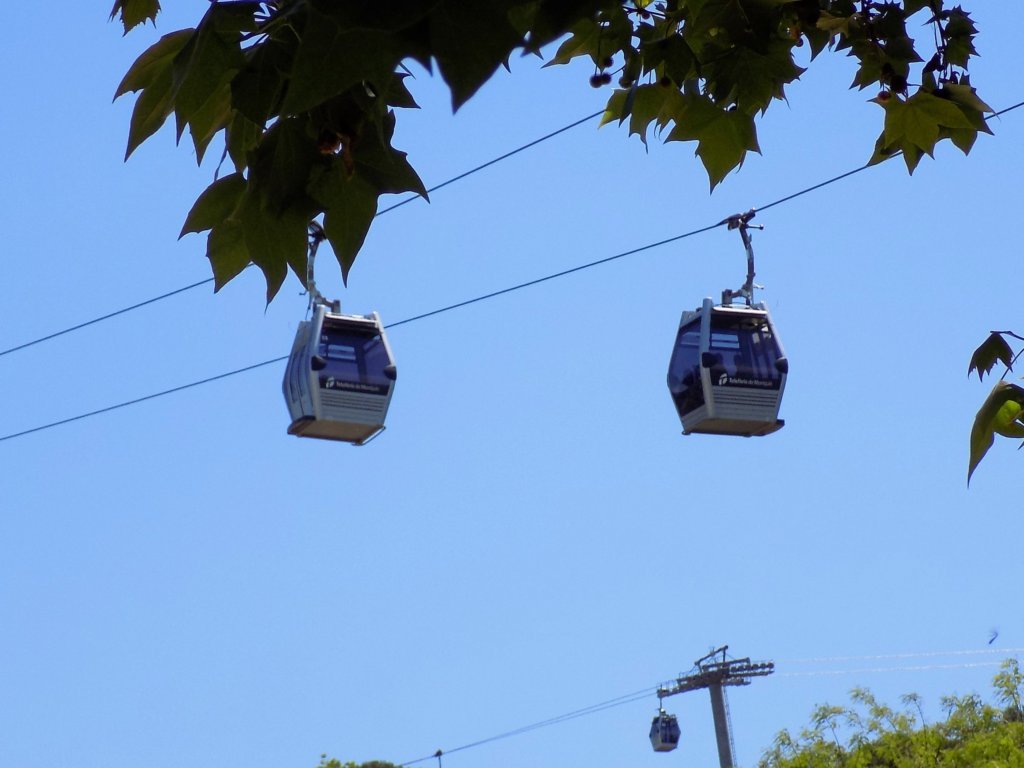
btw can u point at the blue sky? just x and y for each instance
(182, 583)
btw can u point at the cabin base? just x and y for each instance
(357, 434)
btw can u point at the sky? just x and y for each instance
(183, 583)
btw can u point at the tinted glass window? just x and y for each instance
(684, 369)
(745, 351)
(355, 359)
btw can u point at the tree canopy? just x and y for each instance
(304, 92)
(869, 733)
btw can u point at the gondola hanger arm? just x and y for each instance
(741, 221)
(316, 236)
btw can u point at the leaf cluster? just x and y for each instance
(304, 92)
(704, 70)
(1002, 413)
(869, 733)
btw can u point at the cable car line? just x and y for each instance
(105, 317)
(918, 655)
(399, 204)
(457, 305)
(872, 670)
(492, 162)
(563, 273)
(619, 701)
(143, 399)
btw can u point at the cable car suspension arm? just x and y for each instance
(316, 236)
(741, 221)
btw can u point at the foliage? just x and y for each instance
(304, 92)
(335, 763)
(869, 733)
(1002, 413)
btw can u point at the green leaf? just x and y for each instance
(616, 107)
(216, 204)
(227, 252)
(385, 167)
(671, 56)
(960, 32)
(151, 110)
(241, 137)
(723, 136)
(915, 125)
(998, 414)
(153, 62)
(281, 165)
(470, 46)
(274, 242)
(332, 57)
(204, 67)
(135, 12)
(213, 117)
(751, 79)
(350, 204)
(647, 106)
(913, 6)
(967, 98)
(257, 90)
(584, 41)
(994, 349)
(551, 19)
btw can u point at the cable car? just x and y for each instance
(728, 370)
(664, 732)
(340, 376)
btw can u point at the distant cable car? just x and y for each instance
(664, 732)
(728, 369)
(341, 373)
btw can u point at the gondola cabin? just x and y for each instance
(340, 377)
(728, 371)
(664, 732)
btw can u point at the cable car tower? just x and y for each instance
(715, 674)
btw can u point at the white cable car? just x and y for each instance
(728, 369)
(341, 372)
(664, 732)
(340, 377)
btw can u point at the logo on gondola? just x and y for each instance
(331, 382)
(723, 379)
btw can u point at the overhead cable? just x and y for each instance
(877, 670)
(916, 655)
(618, 701)
(399, 204)
(467, 302)
(115, 313)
